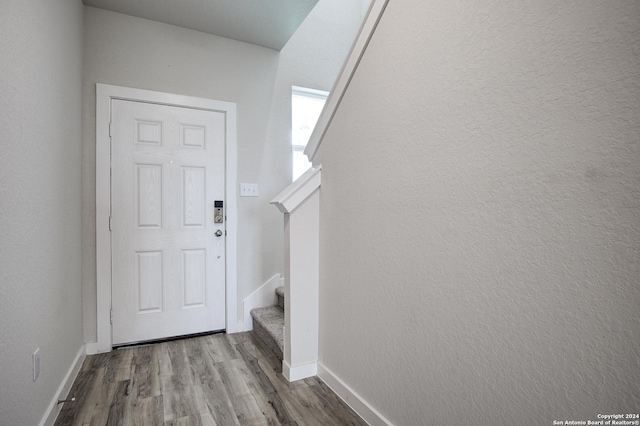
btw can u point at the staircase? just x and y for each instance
(268, 324)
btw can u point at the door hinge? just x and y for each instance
(111, 316)
(109, 223)
(110, 129)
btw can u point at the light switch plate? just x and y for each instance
(249, 190)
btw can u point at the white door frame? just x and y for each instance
(104, 94)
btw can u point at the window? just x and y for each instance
(306, 106)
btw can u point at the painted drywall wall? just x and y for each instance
(133, 52)
(480, 214)
(40, 152)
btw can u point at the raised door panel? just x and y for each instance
(148, 195)
(148, 282)
(193, 196)
(148, 132)
(194, 273)
(193, 136)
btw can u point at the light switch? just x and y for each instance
(248, 189)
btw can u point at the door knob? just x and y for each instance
(219, 233)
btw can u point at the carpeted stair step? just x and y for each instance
(268, 324)
(280, 294)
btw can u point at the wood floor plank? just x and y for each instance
(194, 420)
(180, 403)
(219, 348)
(245, 405)
(265, 386)
(321, 410)
(125, 359)
(72, 412)
(96, 410)
(331, 403)
(214, 401)
(200, 365)
(119, 411)
(146, 373)
(92, 397)
(164, 361)
(209, 380)
(180, 375)
(149, 411)
(257, 395)
(268, 358)
(272, 367)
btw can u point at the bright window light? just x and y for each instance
(306, 106)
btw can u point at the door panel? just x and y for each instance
(168, 276)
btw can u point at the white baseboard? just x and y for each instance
(239, 328)
(92, 348)
(351, 398)
(299, 372)
(264, 296)
(54, 408)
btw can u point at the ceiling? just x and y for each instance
(268, 23)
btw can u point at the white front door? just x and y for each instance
(168, 251)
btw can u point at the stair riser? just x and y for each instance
(281, 301)
(262, 333)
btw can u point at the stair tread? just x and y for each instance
(271, 319)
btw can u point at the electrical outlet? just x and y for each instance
(36, 364)
(248, 189)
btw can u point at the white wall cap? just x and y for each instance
(299, 190)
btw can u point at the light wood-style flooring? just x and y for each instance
(211, 380)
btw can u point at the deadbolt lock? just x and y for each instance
(218, 211)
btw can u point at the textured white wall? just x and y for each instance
(480, 214)
(40, 134)
(134, 52)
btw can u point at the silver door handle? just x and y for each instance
(219, 233)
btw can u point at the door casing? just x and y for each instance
(104, 94)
